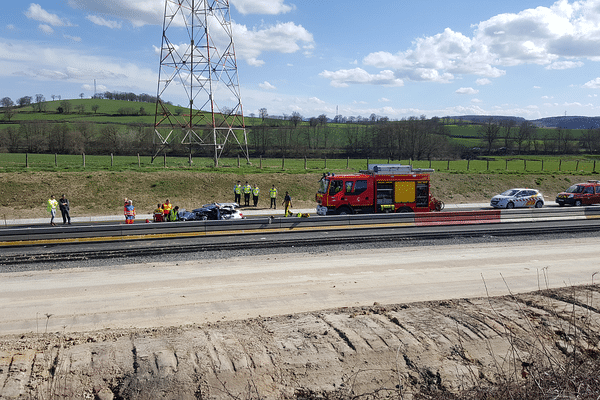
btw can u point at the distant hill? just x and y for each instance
(565, 122)
(574, 122)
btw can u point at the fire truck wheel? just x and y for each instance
(577, 203)
(405, 210)
(344, 211)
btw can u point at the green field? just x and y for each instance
(12, 162)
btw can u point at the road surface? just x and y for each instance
(176, 293)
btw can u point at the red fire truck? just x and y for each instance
(382, 188)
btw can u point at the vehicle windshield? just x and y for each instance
(323, 185)
(575, 189)
(510, 192)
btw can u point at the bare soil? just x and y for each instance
(381, 351)
(23, 195)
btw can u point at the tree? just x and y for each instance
(40, 103)
(296, 118)
(24, 101)
(263, 114)
(82, 95)
(523, 135)
(66, 106)
(6, 102)
(95, 108)
(489, 132)
(8, 106)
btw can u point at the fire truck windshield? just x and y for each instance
(324, 184)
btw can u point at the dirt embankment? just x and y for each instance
(23, 195)
(387, 351)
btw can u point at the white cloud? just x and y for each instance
(384, 100)
(104, 22)
(73, 38)
(272, 7)
(267, 86)
(476, 101)
(280, 38)
(345, 77)
(564, 65)
(483, 81)
(593, 84)
(139, 12)
(556, 37)
(37, 13)
(47, 29)
(547, 97)
(467, 90)
(70, 65)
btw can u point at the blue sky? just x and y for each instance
(391, 58)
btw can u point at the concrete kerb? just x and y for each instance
(143, 217)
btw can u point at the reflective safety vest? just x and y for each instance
(237, 189)
(130, 211)
(273, 193)
(247, 189)
(167, 207)
(255, 192)
(51, 205)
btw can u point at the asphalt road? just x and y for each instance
(186, 291)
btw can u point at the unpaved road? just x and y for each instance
(279, 326)
(171, 294)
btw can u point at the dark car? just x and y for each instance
(580, 194)
(214, 211)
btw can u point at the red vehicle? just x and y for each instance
(382, 188)
(581, 194)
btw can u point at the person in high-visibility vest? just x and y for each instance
(167, 209)
(255, 193)
(158, 214)
(287, 203)
(237, 191)
(129, 212)
(273, 196)
(247, 190)
(51, 205)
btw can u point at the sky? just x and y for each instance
(390, 58)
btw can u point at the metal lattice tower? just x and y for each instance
(197, 57)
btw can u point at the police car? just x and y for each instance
(514, 198)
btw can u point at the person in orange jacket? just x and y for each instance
(166, 209)
(129, 212)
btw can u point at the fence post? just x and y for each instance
(165, 160)
(388, 160)
(282, 162)
(448, 168)
(348, 163)
(468, 164)
(260, 162)
(83, 156)
(577, 166)
(430, 163)
(559, 164)
(55, 160)
(139, 163)
(488, 165)
(524, 165)
(542, 165)
(325, 162)
(26, 160)
(304, 162)
(506, 167)
(238, 160)
(112, 159)
(190, 159)
(594, 171)
(367, 162)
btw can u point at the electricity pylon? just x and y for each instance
(197, 57)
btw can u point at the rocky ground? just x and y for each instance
(382, 351)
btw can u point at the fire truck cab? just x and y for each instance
(382, 188)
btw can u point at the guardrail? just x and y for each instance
(113, 232)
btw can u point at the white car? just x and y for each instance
(519, 197)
